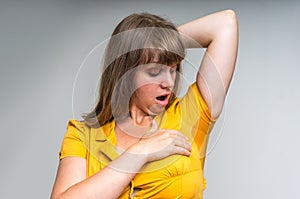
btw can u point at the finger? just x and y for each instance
(177, 139)
(180, 142)
(175, 133)
(181, 151)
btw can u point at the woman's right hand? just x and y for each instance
(162, 144)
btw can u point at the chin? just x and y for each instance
(156, 110)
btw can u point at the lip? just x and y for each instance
(165, 101)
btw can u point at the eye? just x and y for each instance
(155, 71)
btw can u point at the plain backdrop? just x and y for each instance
(254, 152)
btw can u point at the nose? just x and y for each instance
(168, 80)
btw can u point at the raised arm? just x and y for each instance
(218, 32)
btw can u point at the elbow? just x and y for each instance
(230, 18)
(229, 26)
(230, 13)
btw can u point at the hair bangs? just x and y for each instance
(162, 45)
(151, 55)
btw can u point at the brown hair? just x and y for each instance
(138, 39)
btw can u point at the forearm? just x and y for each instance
(107, 183)
(110, 182)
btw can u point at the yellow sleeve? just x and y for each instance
(193, 106)
(73, 144)
(206, 114)
(196, 117)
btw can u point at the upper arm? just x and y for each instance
(72, 165)
(218, 33)
(71, 170)
(218, 64)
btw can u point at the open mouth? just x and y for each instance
(162, 97)
(163, 100)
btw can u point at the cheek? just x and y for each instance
(143, 81)
(146, 90)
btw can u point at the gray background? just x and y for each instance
(43, 44)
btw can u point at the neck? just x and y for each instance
(140, 118)
(136, 124)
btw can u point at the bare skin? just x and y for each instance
(218, 33)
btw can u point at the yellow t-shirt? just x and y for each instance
(176, 176)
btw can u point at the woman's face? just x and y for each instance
(154, 85)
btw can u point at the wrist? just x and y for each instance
(136, 152)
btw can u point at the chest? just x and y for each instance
(173, 177)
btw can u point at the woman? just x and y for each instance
(141, 141)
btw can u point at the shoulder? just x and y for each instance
(192, 104)
(77, 130)
(75, 140)
(77, 124)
